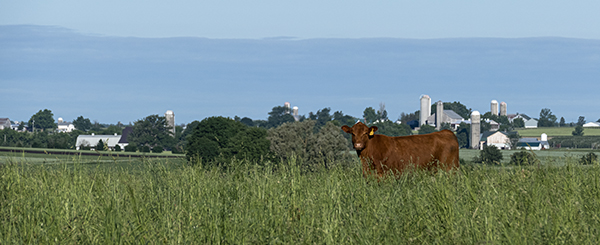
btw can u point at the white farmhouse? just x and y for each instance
(64, 127)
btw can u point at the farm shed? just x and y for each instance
(499, 139)
(4, 123)
(533, 144)
(592, 125)
(92, 140)
(531, 123)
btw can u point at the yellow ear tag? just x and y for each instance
(372, 132)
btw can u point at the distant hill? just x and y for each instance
(99, 76)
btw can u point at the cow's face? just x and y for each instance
(360, 134)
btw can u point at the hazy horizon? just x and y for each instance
(111, 79)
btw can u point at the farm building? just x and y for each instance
(4, 123)
(64, 127)
(92, 140)
(499, 139)
(592, 125)
(529, 122)
(534, 143)
(448, 116)
(123, 141)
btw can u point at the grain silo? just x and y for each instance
(425, 109)
(503, 108)
(475, 129)
(494, 107)
(170, 116)
(439, 115)
(295, 113)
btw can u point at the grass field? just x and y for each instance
(168, 201)
(556, 131)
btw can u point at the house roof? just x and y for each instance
(64, 123)
(125, 133)
(487, 134)
(453, 115)
(448, 113)
(4, 121)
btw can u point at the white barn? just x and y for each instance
(92, 140)
(592, 125)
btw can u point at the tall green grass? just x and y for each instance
(166, 202)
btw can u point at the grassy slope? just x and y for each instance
(556, 131)
(159, 204)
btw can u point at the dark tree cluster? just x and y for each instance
(220, 138)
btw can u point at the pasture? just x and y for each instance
(169, 201)
(556, 131)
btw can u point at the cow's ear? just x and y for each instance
(372, 130)
(347, 129)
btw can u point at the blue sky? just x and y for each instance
(313, 19)
(569, 78)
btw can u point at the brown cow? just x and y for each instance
(383, 153)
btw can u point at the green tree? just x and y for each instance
(340, 119)
(489, 155)
(455, 106)
(250, 144)
(405, 118)
(118, 148)
(562, 122)
(61, 141)
(291, 139)
(299, 139)
(330, 146)
(83, 124)
(43, 119)
(279, 115)
(224, 138)
(523, 158)
(547, 119)
(151, 131)
(426, 129)
(112, 129)
(518, 123)
(21, 125)
(370, 115)
(100, 145)
(578, 131)
(321, 118)
(131, 148)
(390, 128)
(382, 113)
(581, 121)
(247, 121)
(462, 134)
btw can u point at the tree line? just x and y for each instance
(248, 138)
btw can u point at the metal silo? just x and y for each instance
(494, 107)
(425, 109)
(503, 108)
(170, 116)
(439, 114)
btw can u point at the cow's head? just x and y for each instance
(360, 134)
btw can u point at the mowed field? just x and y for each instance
(170, 201)
(556, 131)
